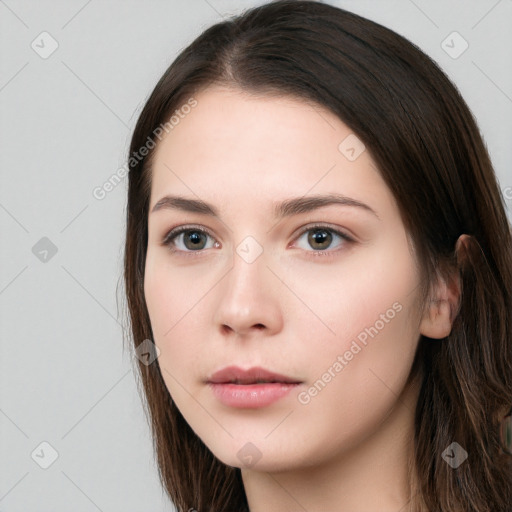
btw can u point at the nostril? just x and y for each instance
(226, 329)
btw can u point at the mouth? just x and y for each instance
(250, 389)
(254, 375)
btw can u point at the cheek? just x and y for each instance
(338, 302)
(172, 295)
(364, 372)
(354, 385)
(159, 298)
(370, 345)
(167, 313)
(176, 300)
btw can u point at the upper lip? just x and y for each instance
(237, 375)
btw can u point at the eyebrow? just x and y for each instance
(286, 208)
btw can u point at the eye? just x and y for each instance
(189, 239)
(322, 237)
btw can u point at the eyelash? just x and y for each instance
(168, 240)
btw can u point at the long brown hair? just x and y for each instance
(428, 148)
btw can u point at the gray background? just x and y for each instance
(64, 129)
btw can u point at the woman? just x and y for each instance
(318, 268)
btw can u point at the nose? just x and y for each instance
(248, 300)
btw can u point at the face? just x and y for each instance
(322, 292)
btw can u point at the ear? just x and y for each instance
(440, 313)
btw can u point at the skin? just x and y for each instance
(290, 310)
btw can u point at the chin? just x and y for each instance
(261, 456)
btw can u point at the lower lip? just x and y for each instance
(251, 396)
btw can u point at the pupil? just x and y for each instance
(320, 236)
(195, 238)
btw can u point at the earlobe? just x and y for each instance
(439, 315)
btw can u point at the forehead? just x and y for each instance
(228, 117)
(254, 144)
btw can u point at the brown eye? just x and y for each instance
(190, 239)
(194, 240)
(320, 238)
(323, 240)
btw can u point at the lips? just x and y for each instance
(254, 375)
(254, 388)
